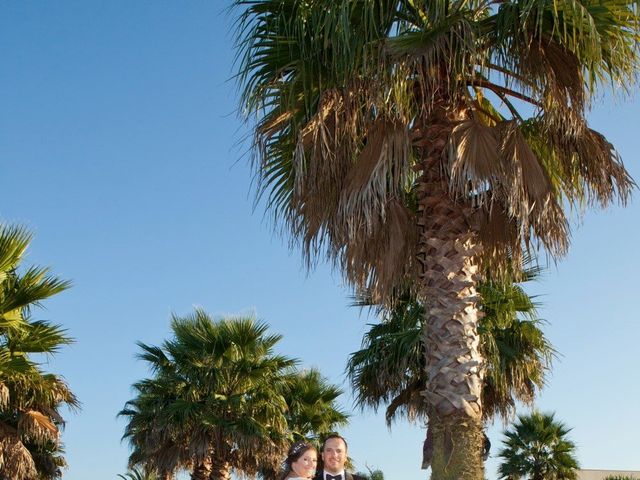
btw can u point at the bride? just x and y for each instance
(301, 462)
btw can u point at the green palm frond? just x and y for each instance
(37, 337)
(30, 288)
(14, 241)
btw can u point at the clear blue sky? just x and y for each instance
(120, 149)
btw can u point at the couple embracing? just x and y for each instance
(302, 461)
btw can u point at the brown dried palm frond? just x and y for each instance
(4, 395)
(529, 199)
(387, 254)
(552, 75)
(269, 455)
(408, 402)
(15, 459)
(351, 97)
(353, 200)
(35, 426)
(53, 414)
(473, 158)
(523, 176)
(37, 391)
(377, 174)
(496, 168)
(584, 168)
(164, 457)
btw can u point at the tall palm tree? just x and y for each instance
(216, 400)
(537, 448)
(30, 399)
(415, 142)
(389, 369)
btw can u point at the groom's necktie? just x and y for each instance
(333, 477)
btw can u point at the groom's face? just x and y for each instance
(334, 455)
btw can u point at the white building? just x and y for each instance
(602, 474)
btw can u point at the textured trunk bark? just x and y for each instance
(201, 471)
(457, 449)
(455, 368)
(220, 469)
(269, 474)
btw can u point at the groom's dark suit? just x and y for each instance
(347, 476)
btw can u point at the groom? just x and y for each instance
(334, 456)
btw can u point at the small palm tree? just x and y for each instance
(138, 474)
(216, 400)
(31, 400)
(537, 448)
(372, 474)
(312, 411)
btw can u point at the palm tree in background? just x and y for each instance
(30, 399)
(312, 411)
(138, 474)
(417, 143)
(372, 474)
(216, 401)
(389, 369)
(537, 448)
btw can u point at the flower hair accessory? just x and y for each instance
(297, 447)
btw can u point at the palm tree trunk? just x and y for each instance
(268, 474)
(202, 471)
(220, 469)
(455, 368)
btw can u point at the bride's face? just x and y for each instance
(305, 466)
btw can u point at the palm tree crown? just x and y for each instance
(350, 95)
(312, 410)
(30, 399)
(215, 401)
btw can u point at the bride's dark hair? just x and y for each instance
(296, 451)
